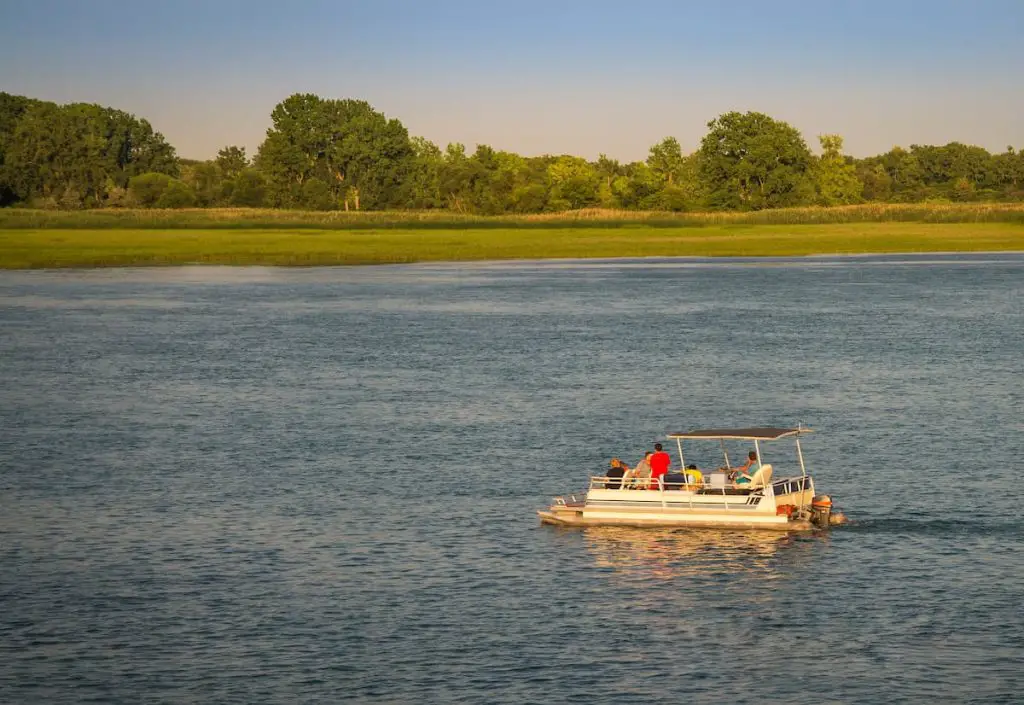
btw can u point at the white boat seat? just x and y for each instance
(760, 478)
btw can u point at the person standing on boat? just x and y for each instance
(660, 461)
(742, 475)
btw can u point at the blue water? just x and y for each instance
(262, 485)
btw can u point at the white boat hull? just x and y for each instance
(570, 516)
(703, 510)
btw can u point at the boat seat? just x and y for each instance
(760, 478)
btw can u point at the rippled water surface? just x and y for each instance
(261, 485)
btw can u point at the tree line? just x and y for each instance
(323, 154)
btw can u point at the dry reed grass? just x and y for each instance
(265, 218)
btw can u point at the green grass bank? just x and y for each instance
(32, 248)
(268, 218)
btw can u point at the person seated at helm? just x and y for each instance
(615, 474)
(745, 473)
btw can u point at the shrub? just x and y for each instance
(673, 198)
(249, 189)
(177, 195)
(316, 195)
(146, 189)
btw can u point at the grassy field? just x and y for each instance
(267, 218)
(114, 247)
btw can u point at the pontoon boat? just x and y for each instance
(704, 500)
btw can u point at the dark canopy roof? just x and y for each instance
(743, 434)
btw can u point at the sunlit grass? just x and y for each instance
(261, 218)
(52, 248)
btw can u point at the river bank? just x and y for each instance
(122, 247)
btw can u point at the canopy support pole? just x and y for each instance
(803, 474)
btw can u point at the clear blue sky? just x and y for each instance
(558, 76)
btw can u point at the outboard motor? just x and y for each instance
(821, 510)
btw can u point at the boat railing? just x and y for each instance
(705, 486)
(572, 500)
(598, 482)
(791, 485)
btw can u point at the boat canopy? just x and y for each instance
(742, 434)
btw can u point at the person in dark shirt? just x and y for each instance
(614, 474)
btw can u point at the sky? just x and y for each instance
(581, 77)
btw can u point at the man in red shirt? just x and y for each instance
(659, 465)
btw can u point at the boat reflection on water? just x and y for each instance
(667, 554)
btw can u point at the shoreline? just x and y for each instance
(48, 248)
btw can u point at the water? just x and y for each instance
(260, 485)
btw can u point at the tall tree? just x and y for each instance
(608, 170)
(231, 160)
(77, 153)
(574, 183)
(750, 161)
(908, 178)
(876, 180)
(344, 143)
(943, 168)
(835, 176)
(1009, 170)
(12, 107)
(666, 160)
(423, 182)
(455, 178)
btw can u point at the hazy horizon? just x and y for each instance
(574, 77)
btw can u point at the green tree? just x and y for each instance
(904, 169)
(876, 180)
(573, 183)
(835, 176)
(456, 178)
(423, 183)
(231, 161)
(495, 182)
(205, 180)
(1009, 170)
(945, 169)
(666, 160)
(12, 107)
(58, 151)
(608, 170)
(344, 143)
(639, 188)
(750, 161)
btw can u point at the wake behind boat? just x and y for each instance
(698, 500)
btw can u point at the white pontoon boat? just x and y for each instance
(706, 500)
